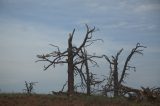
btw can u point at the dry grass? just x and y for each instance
(50, 100)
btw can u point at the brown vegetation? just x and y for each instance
(50, 100)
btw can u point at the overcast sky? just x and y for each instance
(27, 27)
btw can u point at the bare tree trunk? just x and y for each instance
(115, 76)
(70, 68)
(70, 76)
(88, 76)
(114, 63)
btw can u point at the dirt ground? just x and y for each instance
(50, 100)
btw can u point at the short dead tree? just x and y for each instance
(150, 94)
(29, 87)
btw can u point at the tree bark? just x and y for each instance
(115, 76)
(88, 76)
(70, 68)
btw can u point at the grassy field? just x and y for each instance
(50, 100)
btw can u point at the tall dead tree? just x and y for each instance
(114, 81)
(88, 81)
(89, 78)
(72, 56)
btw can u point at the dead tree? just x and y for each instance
(113, 81)
(113, 78)
(136, 93)
(88, 81)
(72, 56)
(151, 94)
(29, 87)
(87, 77)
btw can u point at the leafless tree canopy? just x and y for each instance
(73, 56)
(29, 87)
(113, 81)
